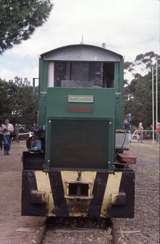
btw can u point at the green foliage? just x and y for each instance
(17, 102)
(139, 101)
(4, 109)
(19, 18)
(138, 94)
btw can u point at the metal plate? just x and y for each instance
(80, 99)
(79, 144)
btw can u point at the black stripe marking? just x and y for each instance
(29, 184)
(32, 180)
(98, 195)
(127, 185)
(58, 194)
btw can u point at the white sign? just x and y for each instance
(80, 99)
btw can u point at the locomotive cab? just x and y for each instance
(80, 107)
(82, 83)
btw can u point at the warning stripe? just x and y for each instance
(31, 180)
(98, 194)
(58, 193)
(43, 185)
(112, 188)
(105, 187)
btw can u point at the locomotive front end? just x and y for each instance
(80, 110)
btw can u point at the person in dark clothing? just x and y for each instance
(126, 125)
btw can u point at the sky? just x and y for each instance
(129, 27)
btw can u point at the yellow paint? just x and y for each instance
(112, 189)
(86, 177)
(78, 214)
(43, 185)
(70, 176)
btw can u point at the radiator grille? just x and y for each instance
(79, 143)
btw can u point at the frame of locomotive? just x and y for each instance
(80, 170)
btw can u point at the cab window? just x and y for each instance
(84, 74)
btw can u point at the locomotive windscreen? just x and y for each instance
(79, 144)
(84, 74)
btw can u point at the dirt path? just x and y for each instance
(14, 229)
(144, 228)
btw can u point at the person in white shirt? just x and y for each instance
(8, 129)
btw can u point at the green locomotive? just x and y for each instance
(81, 169)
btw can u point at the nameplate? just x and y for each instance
(80, 99)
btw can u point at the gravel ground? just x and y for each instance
(15, 229)
(144, 228)
(78, 231)
(88, 236)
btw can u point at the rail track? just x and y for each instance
(77, 231)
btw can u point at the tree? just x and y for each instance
(19, 18)
(138, 93)
(17, 102)
(139, 101)
(4, 108)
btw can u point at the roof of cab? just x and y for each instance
(81, 52)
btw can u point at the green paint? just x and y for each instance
(107, 105)
(103, 106)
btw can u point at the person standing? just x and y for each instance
(8, 129)
(140, 132)
(127, 128)
(1, 135)
(126, 125)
